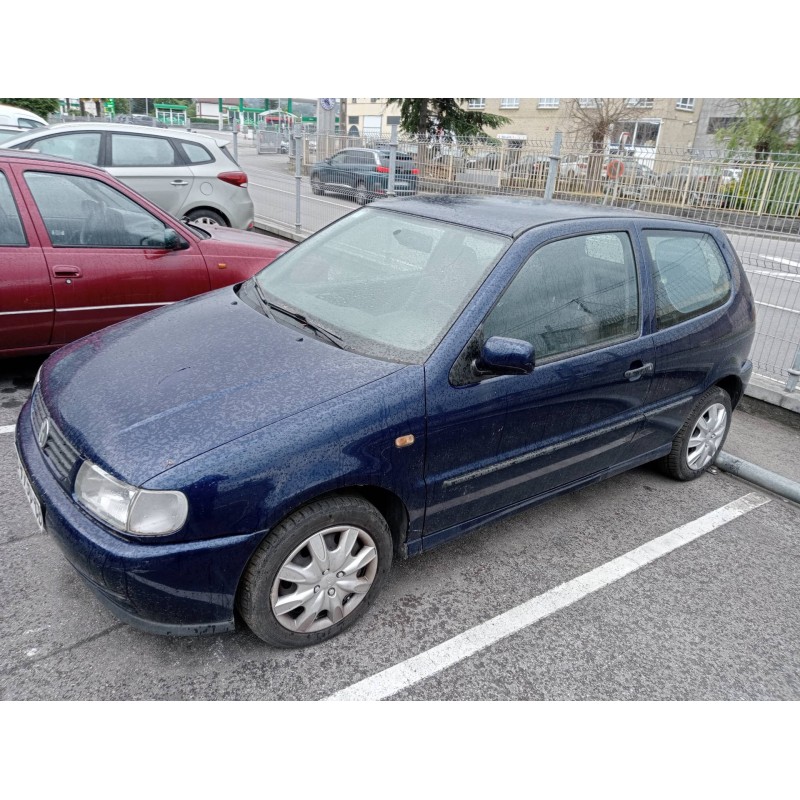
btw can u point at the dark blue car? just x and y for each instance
(414, 370)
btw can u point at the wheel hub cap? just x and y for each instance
(324, 579)
(706, 438)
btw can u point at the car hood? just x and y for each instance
(222, 238)
(145, 395)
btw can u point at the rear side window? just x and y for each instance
(196, 153)
(128, 150)
(689, 274)
(78, 146)
(11, 231)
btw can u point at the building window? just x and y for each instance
(685, 104)
(392, 120)
(374, 99)
(641, 102)
(587, 102)
(509, 102)
(352, 120)
(477, 102)
(548, 102)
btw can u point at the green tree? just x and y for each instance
(598, 119)
(424, 115)
(765, 125)
(39, 105)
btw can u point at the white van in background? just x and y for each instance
(20, 118)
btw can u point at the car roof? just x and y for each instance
(27, 155)
(509, 216)
(123, 127)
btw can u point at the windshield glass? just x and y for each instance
(389, 284)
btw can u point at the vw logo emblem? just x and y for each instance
(44, 433)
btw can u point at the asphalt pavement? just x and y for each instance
(577, 599)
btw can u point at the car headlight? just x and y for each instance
(128, 508)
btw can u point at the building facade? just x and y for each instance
(654, 122)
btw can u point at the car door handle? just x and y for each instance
(634, 373)
(179, 183)
(67, 272)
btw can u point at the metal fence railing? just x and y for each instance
(757, 202)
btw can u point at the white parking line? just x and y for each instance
(7, 428)
(401, 676)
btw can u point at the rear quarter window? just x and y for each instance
(689, 275)
(195, 153)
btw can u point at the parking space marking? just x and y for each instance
(401, 676)
(7, 428)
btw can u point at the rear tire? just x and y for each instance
(362, 195)
(207, 217)
(700, 439)
(316, 573)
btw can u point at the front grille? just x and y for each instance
(61, 456)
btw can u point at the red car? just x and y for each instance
(79, 251)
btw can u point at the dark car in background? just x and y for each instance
(414, 370)
(362, 174)
(79, 251)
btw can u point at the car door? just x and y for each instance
(152, 166)
(26, 299)
(108, 257)
(577, 301)
(334, 173)
(698, 320)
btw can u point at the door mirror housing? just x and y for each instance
(501, 355)
(173, 241)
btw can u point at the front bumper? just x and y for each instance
(185, 588)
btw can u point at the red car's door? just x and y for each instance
(109, 257)
(26, 299)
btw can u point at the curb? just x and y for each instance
(772, 392)
(770, 481)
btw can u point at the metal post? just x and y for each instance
(765, 189)
(555, 157)
(392, 161)
(298, 171)
(794, 373)
(235, 138)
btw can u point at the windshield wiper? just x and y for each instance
(333, 338)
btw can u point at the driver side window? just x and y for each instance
(571, 295)
(83, 212)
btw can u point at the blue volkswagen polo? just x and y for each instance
(421, 367)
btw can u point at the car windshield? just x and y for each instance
(387, 284)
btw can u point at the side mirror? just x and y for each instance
(172, 241)
(503, 356)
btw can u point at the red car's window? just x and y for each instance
(12, 233)
(84, 212)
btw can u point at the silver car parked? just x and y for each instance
(190, 176)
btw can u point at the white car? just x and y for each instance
(20, 117)
(190, 176)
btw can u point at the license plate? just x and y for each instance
(33, 501)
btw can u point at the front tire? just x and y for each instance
(362, 195)
(316, 186)
(701, 437)
(316, 573)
